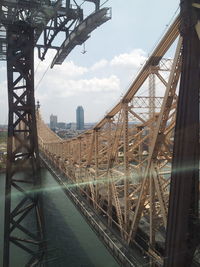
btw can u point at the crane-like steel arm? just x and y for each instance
(81, 34)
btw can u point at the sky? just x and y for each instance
(97, 79)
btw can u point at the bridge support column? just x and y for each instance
(183, 221)
(24, 225)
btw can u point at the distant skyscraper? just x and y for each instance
(79, 118)
(53, 121)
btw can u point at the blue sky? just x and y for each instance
(97, 79)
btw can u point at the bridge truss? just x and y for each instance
(123, 165)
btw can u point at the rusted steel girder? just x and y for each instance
(183, 230)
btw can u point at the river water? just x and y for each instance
(71, 242)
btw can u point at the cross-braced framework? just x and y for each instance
(24, 224)
(123, 165)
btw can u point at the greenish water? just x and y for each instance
(71, 242)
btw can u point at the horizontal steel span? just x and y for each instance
(81, 33)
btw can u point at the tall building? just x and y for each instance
(79, 118)
(53, 121)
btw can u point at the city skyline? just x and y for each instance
(68, 121)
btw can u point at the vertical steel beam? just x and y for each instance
(110, 195)
(182, 229)
(152, 209)
(126, 168)
(96, 159)
(152, 92)
(23, 205)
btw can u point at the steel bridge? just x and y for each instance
(137, 170)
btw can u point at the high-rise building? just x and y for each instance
(79, 118)
(53, 121)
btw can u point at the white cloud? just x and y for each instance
(99, 65)
(132, 59)
(69, 69)
(60, 88)
(111, 83)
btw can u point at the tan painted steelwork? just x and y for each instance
(123, 165)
